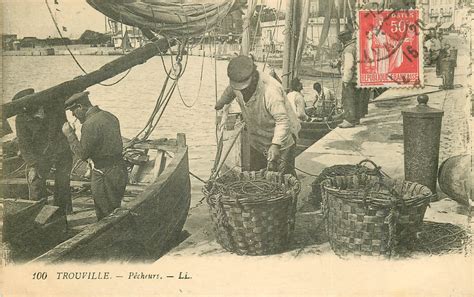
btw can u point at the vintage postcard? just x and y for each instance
(236, 148)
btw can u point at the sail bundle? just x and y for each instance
(166, 18)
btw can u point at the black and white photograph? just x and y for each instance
(236, 148)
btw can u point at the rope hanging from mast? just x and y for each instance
(74, 57)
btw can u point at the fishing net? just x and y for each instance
(165, 18)
(443, 238)
(251, 190)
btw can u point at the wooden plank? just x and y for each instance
(160, 163)
(61, 92)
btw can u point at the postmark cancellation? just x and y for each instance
(389, 48)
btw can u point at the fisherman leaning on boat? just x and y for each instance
(296, 99)
(42, 146)
(101, 143)
(271, 122)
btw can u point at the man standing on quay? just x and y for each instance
(350, 92)
(101, 142)
(272, 124)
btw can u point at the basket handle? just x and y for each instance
(376, 167)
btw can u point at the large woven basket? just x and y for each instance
(366, 215)
(250, 224)
(342, 170)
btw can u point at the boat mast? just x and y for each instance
(287, 67)
(245, 50)
(245, 45)
(296, 24)
(302, 35)
(326, 24)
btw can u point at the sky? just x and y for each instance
(32, 18)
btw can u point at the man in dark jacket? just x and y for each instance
(350, 93)
(101, 144)
(42, 146)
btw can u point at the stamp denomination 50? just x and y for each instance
(389, 48)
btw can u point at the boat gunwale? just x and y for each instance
(60, 251)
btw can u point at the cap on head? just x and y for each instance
(295, 84)
(345, 35)
(317, 86)
(31, 108)
(76, 99)
(23, 93)
(239, 71)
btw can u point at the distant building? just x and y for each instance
(461, 17)
(232, 25)
(8, 41)
(126, 37)
(441, 11)
(31, 42)
(273, 33)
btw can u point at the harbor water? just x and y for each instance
(132, 100)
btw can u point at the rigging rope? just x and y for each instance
(73, 56)
(275, 29)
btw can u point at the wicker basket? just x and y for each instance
(342, 170)
(367, 216)
(252, 225)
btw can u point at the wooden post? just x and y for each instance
(288, 39)
(245, 50)
(63, 91)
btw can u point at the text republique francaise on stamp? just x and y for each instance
(390, 52)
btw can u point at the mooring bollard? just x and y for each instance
(447, 73)
(421, 136)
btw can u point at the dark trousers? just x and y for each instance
(286, 164)
(351, 103)
(62, 181)
(108, 187)
(364, 102)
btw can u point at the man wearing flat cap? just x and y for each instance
(272, 124)
(101, 143)
(42, 147)
(350, 92)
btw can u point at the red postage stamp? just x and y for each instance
(389, 48)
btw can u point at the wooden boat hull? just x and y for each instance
(30, 228)
(308, 70)
(313, 131)
(143, 229)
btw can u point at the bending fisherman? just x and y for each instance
(271, 122)
(42, 146)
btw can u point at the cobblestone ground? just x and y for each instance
(456, 105)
